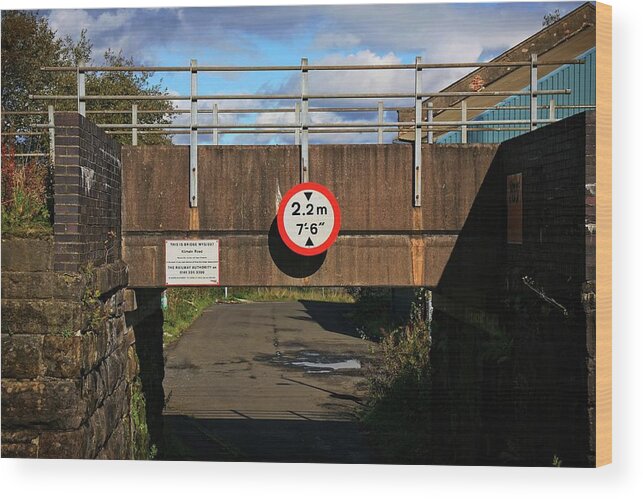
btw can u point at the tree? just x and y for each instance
(29, 43)
(551, 17)
(128, 83)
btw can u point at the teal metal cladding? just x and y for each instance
(580, 78)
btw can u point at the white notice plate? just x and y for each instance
(192, 262)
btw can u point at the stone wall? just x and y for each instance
(68, 358)
(70, 369)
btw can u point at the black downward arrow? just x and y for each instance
(308, 194)
(309, 242)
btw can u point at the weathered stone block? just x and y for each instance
(115, 368)
(63, 356)
(95, 387)
(111, 276)
(22, 356)
(42, 285)
(75, 444)
(19, 444)
(89, 351)
(54, 404)
(24, 450)
(41, 317)
(132, 363)
(99, 430)
(27, 255)
(129, 300)
(114, 407)
(117, 446)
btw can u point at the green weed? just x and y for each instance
(141, 447)
(24, 198)
(400, 388)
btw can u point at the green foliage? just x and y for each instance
(551, 17)
(67, 332)
(128, 83)
(24, 198)
(400, 388)
(372, 311)
(184, 305)
(334, 295)
(141, 448)
(94, 309)
(556, 461)
(29, 43)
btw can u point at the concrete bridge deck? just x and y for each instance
(384, 240)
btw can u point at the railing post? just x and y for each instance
(215, 124)
(463, 118)
(533, 87)
(80, 82)
(417, 167)
(429, 120)
(298, 123)
(304, 173)
(134, 122)
(552, 110)
(194, 134)
(380, 122)
(52, 134)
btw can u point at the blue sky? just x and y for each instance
(269, 35)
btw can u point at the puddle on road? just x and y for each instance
(314, 362)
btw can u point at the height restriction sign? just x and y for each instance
(308, 219)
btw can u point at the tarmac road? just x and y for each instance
(272, 381)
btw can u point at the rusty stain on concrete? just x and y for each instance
(194, 219)
(417, 249)
(417, 260)
(384, 240)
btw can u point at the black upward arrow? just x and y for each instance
(308, 194)
(309, 242)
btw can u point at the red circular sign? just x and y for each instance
(308, 219)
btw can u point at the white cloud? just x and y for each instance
(339, 34)
(105, 29)
(335, 40)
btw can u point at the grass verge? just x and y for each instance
(398, 413)
(184, 305)
(26, 192)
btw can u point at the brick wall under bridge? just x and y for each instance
(514, 323)
(456, 243)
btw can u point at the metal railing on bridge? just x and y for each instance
(302, 126)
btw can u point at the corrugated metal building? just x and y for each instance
(571, 37)
(580, 79)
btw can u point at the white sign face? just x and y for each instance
(192, 262)
(308, 219)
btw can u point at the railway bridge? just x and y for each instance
(503, 234)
